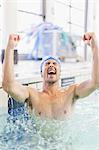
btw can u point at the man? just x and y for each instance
(53, 101)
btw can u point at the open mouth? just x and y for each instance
(51, 71)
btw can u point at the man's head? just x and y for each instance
(50, 69)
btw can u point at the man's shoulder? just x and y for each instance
(71, 88)
(32, 90)
(34, 96)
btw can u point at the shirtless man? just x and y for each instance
(52, 102)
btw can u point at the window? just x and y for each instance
(29, 13)
(61, 14)
(70, 15)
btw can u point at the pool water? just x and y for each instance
(79, 132)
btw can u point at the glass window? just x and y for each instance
(79, 4)
(61, 14)
(76, 30)
(70, 15)
(91, 15)
(79, 17)
(29, 13)
(25, 20)
(34, 6)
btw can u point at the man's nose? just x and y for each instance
(51, 65)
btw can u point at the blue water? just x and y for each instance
(28, 132)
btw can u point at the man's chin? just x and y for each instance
(52, 81)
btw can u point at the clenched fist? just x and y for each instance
(13, 41)
(90, 39)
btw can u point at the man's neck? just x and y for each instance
(51, 89)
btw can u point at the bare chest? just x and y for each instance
(57, 107)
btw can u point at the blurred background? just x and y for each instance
(62, 21)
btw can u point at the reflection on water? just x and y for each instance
(80, 132)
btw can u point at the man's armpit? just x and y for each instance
(29, 103)
(76, 96)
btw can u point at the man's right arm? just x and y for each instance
(12, 87)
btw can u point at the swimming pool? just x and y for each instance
(79, 132)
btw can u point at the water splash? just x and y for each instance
(26, 132)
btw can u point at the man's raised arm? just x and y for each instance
(87, 87)
(12, 87)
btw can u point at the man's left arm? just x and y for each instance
(87, 87)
